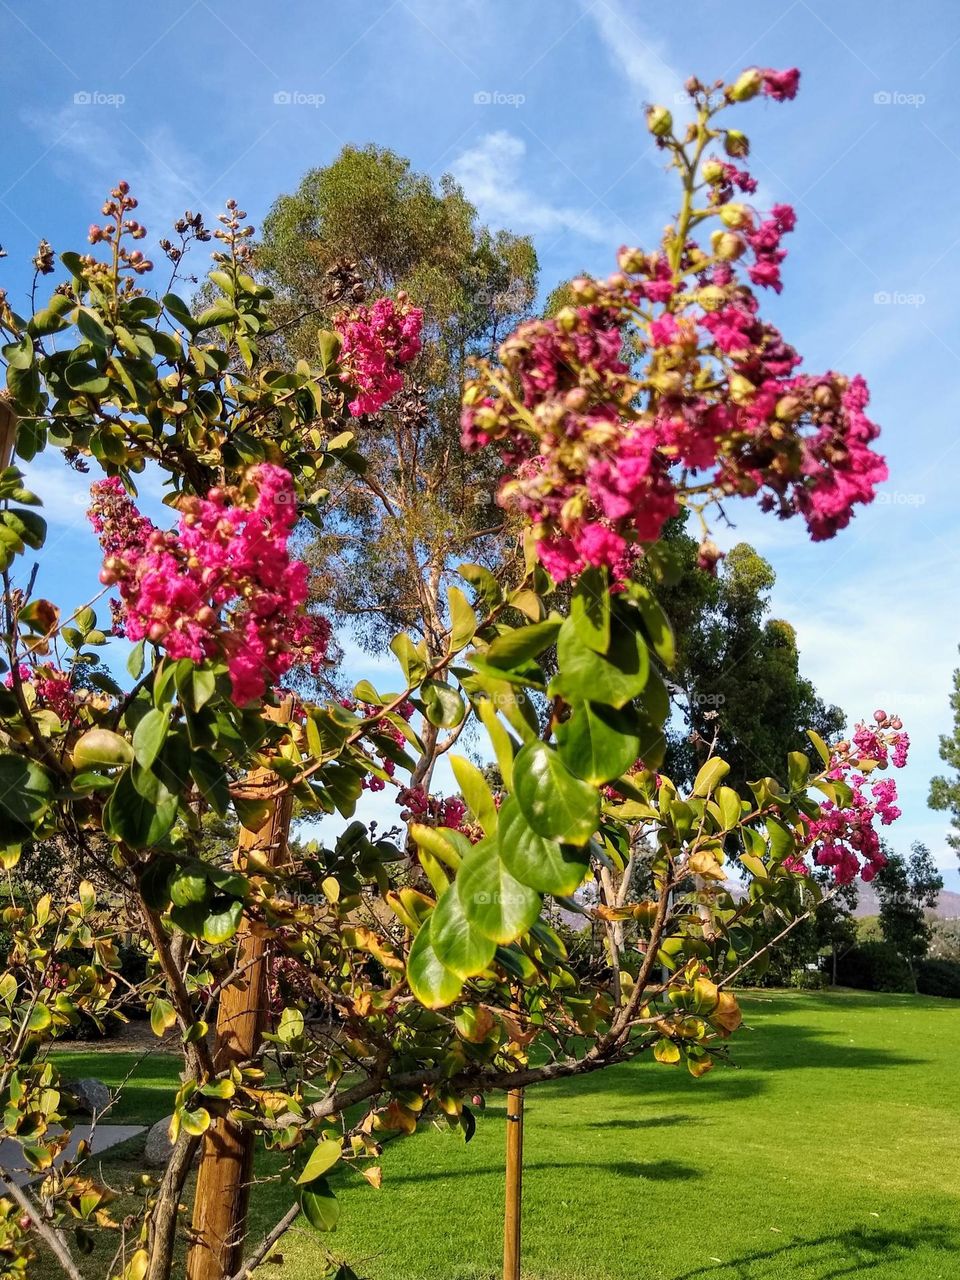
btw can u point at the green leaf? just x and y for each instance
(656, 624)
(590, 610)
(823, 751)
(220, 924)
(328, 345)
(412, 659)
(459, 945)
(798, 770)
(320, 1206)
(586, 676)
(195, 1122)
(219, 313)
(135, 662)
(86, 377)
(781, 839)
(542, 864)
(188, 885)
(442, 704)
(92, 328)
(519, 645)
(322, 1159)
(26, 794)
(463, 622)
(729, 802)
(483, 582)
(476, 793)
(598, 743)
(162, 1016)
(149, 736)
(29, 526)
(135, 819)
(492, 899)
(554, 802)
(500, 740)
(433, 984)
(710, 774)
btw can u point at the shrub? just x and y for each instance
(808, 979)
(939, 978)
(875, 966)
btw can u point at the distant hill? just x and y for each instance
(947, 908)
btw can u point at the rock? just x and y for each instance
(92, 1096)
(159, 1148)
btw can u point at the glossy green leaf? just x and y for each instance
(554, 802)
(149, 736)
(492, 899)
(458, 943)
(590, 610)
(598, 743)
(320, 1206)
(433, 984)
(321, 1160)
(101, 747)
(614, 678)
(442, 704)
(463, 622)
(544, 865)
(710, 775)
(476, 792)
(515, 647)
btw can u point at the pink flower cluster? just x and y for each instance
(434, 811)
(52, 687)
(377, 342)
(662, 383)
(844, 837)
(224, 585)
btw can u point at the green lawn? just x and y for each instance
(830, 1152)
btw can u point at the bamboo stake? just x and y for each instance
(514, 1186)
(222, 1196)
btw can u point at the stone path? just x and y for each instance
(106, 1135)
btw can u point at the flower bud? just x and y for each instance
(823, 396)
(747, 85)
(668, 383)
(741, 388)
(789, 408)
(727, 246)
(735, 215)
(711, 297)
(566, 319)
(736, 144)
(659, 121)
(880, 716)
(712, 171)
(631, 260)
(708, 556)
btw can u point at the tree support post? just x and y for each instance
(222, 1196)
(514, 1186)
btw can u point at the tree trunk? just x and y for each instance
(226, 1166)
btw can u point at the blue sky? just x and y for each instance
(537, 108)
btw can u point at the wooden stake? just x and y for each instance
(514, 1186)
(226, 1165)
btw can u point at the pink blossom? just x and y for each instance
(377, 342)
(781, 85)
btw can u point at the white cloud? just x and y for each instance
(641, 59)
(490, 174)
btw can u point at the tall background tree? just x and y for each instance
(737, 675)
(945, 790)
(907, 887)
(368, 224)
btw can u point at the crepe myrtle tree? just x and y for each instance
(390, 984)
